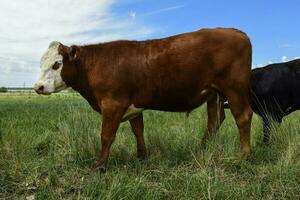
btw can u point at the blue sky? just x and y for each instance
(28, 28)
(273, 26)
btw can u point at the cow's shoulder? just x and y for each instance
(294, 67)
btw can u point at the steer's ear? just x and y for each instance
(63, 50)
(71, 53)
(74, 52)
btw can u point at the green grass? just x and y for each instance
(48, 144)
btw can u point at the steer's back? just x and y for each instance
(178, 72)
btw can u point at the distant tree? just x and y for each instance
(3, 89)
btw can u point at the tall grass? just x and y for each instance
(48, 144)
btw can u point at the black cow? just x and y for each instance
(275, 92)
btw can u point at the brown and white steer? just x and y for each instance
(120, 79)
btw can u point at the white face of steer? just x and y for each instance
(50, 76)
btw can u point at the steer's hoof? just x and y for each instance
(204, 144)
(99, 167)
(141, 159)
(142, 156)
(245, 155)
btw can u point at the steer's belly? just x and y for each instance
(169, 103)
(179, 102)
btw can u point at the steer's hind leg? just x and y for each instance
(137, 126)
(112, 113)
(242, 113)
(215, 117)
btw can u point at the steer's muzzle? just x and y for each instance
(40, 89)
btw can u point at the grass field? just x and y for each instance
(48, 144)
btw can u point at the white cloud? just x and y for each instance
(132, 14)
(164, 10)
(14, 65)
(284, 59)
(285, 46)
(257, 65)
(27, 28)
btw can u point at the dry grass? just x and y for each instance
(47, 145)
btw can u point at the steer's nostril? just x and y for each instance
(41, 88)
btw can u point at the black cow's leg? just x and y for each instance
(266, 129)
(137, 126)
(215, 117)
(112, 113)
(267, 126)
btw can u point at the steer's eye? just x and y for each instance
(55, 66)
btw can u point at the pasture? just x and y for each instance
(49, 143)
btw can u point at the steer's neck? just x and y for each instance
(81, 83)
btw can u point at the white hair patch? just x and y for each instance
(50, 78)
(132, 112)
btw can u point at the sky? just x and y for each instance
(28, 27)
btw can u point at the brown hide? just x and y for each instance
(177, 73)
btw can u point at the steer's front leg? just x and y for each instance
(112, 113)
